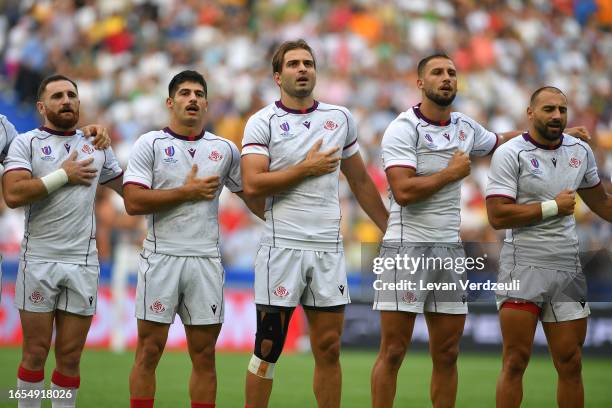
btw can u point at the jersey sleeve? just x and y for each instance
(256, 137)
(18, 157)
(503, 175)
(399, 145)
(140, 164)
(111, 169)
(591, 177)
(233, 181)
(485, 142)
(350, 145)
(7, 135)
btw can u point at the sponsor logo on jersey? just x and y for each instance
(554, 161)
(447, 136)
(36, 297)
(47, 153)
(215, 156)
(157, 307)
(574, 162)
(307, 124)
(409, 297)
(535, 166)
(191, 151)
(461, 135)
(169, 152)
(280, 291)
(87, 149)
(330, 125)
(213, 308)
(341, 289)
(67, 147)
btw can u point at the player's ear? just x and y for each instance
(277, 79)
(529, 112)
(419, 83)
(169, 103)
(40, 107)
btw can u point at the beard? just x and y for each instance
(63, 122)
(299, 92)
(546, 132)
(439, 99)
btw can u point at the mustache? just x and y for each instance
(62, 110)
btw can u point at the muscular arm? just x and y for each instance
(140, 200)
(21, 189)
(408, 188)
(116, 185)
(258, 180)
(504, 213)
(598, 200)
(256, 204)
(364, 189)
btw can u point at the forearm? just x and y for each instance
(140, 201)
(267, 183)
(23, 192)
(369, 199)
(419, 188)
(508, 216)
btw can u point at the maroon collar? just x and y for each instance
(417, 111)
(280, 105)
(188, 138)
(58, 132)
(529, 139)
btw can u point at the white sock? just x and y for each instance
(68, 395)
(29, 402)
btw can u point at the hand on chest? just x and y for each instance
(49, 154)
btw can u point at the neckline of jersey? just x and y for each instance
(57, 132)
(530, 139)
(187, 138)
(417, 111)
(313, 108)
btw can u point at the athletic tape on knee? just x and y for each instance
(261, 368)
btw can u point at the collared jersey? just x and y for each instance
(162, 160)
(528, 172)
(7, 134)
(413, 141)
(306, 215)
(62, 226)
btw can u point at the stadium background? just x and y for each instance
(123, 54)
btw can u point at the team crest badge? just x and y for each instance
(215, 156)
(87, 149)
(36, 297)
(409, 297)
(280, 291)
(574, 162)
(461, 135)
(157, 307)
(330, 125)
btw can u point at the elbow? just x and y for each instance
(404, 199)
(496, 223)
(251, 191)
(132, 209)
(11, 202)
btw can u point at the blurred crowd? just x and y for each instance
(122, 53)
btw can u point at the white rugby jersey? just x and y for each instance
(529, 172)
(7, 134)
(307, 215)
(162, 160)
(414, 141)
(62, 226)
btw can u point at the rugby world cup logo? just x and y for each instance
(429, 141)
(535, 166)
(46, 150)
(285, 128)
(169, 151)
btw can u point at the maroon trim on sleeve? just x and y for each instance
(500, 196)
(137, 184)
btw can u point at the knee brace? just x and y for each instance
(272, 325)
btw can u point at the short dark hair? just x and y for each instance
(52, 78)
(279, 55)
(186, 76)
(538, 91)
(424, 61)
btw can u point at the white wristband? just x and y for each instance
(549, 209)
(54, 180)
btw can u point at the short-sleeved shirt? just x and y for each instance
(413, 141)
(62, 226)
(306, 215)
(162, 160)
(528, 172)
(7, 134)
